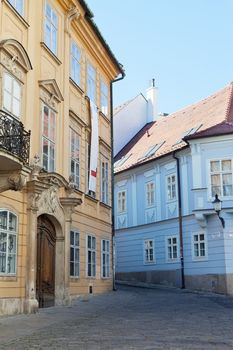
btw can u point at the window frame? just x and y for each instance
(87, 256)
(73, 42)
(204, 257)
(75, 247)
(145, 249)
(168, 259)
(107, 254)
(42, 138)
(14, 3)
(122, 211)
(151, 205)
(73, 159)
(221, 180)
(91, 82)
(104, 96)
(104, 180)
(173, 199)
(13, 79)
(16, 234)
(49, 44)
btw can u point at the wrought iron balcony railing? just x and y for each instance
(13, 137)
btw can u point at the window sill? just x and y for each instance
(106, 278)
(105, 205)
(47, 49)
(8, 278)
(74, 279)
(91, 198)
(199, 259)
(150, 263)
(172, 261)
(19, 16)
(77, 87)
(104, 116)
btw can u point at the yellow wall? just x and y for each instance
(92, 216)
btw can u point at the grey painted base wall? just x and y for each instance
(217, 283)
(169, 278)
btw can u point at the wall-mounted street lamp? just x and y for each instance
(217, 207)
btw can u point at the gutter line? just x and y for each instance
(112, 177)
(180, 221)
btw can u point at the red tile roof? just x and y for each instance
(211, 116)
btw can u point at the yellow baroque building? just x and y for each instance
(56, 76)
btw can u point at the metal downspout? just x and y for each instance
(180, 221)
(112, 178)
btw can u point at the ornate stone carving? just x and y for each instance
(33, 199)
(70, 16)
(11, 66)
(36, 167)
(16, 182)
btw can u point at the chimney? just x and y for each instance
(152, 108)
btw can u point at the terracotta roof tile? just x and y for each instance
(208, 117)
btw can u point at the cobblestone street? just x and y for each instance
(131, 318)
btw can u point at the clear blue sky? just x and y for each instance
(187, 46)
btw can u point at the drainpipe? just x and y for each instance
(112, 178)
(180, 220)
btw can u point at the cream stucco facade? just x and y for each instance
(41, 88)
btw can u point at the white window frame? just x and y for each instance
(75, 75)
(122, 211)
(104, 178)
(105, 255)
(170, 186)
(9, 232)
(76, 162)
(199, 258)
(53, 28)
(50, 141)
(91, 82)
(93, 253)
(148, 192)
(104, 96)
(220, 173)
(153, 261)
(76, 247)
(11, 94)
(168, 259)
(15, 3)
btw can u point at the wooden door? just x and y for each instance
(46, 244)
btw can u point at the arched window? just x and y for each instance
(8, 242)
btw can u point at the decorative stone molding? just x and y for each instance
(11, 66)
(201, 219)
(14, 180)
(70, 16)
(17, 182)
(50, 92)
(17, 53)
(36, 167)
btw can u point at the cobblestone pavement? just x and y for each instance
(131, 318)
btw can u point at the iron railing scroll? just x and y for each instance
(13, 137)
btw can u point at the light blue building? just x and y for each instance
(166, 179)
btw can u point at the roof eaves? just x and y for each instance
(89, 16)
(135, 165)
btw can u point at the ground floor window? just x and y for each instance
(91, 256)
(74, 254)
(149, 255)
(105, 258)
(8, 242)
(172, 248)
(199, 246)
